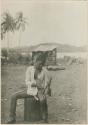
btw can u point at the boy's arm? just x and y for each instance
(28, 76)
(47, 81)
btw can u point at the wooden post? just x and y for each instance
(32, 109)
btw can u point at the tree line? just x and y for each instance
(15, 57)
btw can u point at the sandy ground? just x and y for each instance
(68, 103)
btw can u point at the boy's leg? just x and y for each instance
(14, 98)
(43, 105)
(44, 109)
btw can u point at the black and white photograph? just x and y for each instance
(44, 55)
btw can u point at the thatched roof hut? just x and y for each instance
(49, 52)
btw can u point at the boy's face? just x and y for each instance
(38, 65)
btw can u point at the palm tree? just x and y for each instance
(20, 24)
(7, 25)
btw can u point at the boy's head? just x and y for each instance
(39, 61)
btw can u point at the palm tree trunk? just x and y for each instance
(7, 45)
(20, 34)
(8, 41)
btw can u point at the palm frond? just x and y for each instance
(8, 23)
(20, 21)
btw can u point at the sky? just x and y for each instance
(63, 22)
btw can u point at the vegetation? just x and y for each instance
(14, 57)
(7, 25)
(10, 24)
(20, 22)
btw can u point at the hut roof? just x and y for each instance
(44, 48)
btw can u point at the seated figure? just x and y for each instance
(37, 82)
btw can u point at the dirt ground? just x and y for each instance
(68, 103)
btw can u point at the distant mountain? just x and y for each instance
(60, 48)
(70, 48)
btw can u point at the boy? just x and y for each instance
(38, 78)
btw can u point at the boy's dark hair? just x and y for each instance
(40, 57)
